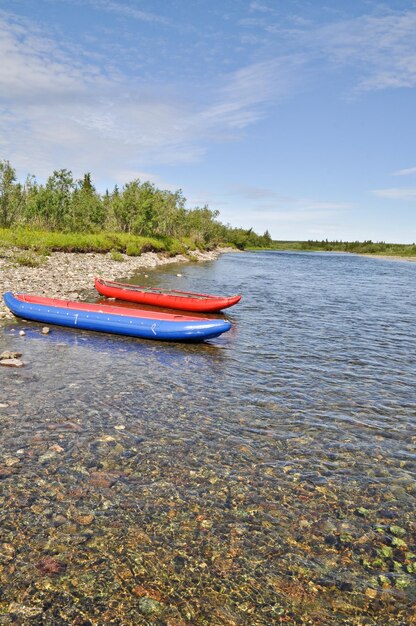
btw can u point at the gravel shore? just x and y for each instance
(67, 274)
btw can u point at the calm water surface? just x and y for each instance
(266, 477)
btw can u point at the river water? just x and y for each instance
(265, 477)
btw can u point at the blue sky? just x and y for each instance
(296, 116)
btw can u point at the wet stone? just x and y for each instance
(50, 566)
(85, 520)
(102, 479)
(10, 461)
(7, 552)
(148, 606)
(11, 362)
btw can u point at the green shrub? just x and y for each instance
(133, 249)
(117, 256)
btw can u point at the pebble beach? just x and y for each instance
(67, 275)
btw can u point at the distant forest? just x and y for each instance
(357, 247)
(67, 205)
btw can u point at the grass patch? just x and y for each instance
(28, 259)
(45, 242)
(117, 256)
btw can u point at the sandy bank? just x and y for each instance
(388, 257)
(67, 274)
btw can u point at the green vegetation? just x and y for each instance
(365, 247)
(117, 256)
(69, 214)
(47, 241)
(28, 258)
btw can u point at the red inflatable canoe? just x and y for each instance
(174, 299)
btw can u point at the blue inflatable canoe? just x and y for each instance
(110, 319)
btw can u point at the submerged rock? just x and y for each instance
(102, 479)
(48, 565)
(85, 520)
(148, 606)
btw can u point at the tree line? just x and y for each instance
(358, 247)
(66, 204)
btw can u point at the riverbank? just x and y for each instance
(378, 249)
(67, 274)
(388, 257)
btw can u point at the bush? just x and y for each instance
(117, 256)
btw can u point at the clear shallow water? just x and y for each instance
(265, 477)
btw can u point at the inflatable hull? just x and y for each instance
(183, 300)
(108, 319)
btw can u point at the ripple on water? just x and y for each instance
(264, 478)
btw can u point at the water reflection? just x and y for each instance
(107, 344)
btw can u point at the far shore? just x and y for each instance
(370, 255)
(388, 257)
(67, 274)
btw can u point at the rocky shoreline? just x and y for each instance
(66, 274)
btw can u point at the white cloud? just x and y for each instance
(405, 172)
(261, 7)
(58, 111)
(381, 47)
(396, 193)
(34, 68)
(126, 10)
